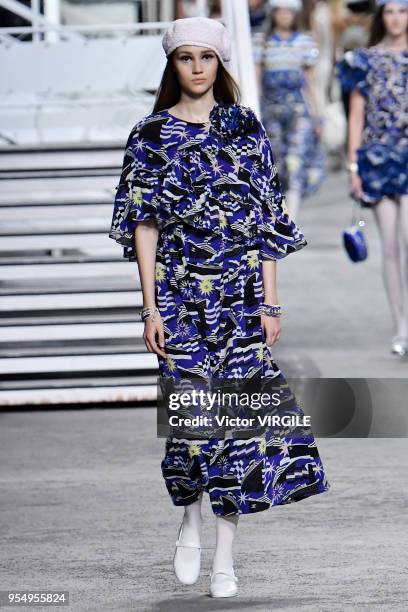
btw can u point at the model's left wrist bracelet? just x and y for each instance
(271, 310)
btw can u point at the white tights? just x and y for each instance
(392, 217)
(226, 527)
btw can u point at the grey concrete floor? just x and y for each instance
(336, 316)
(84, 507)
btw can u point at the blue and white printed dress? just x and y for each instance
(214, 192)
(380, 75)
(285, 111)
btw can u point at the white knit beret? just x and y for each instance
(199, 31)
(292, 5)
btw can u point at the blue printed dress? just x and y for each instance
(214, 192)
(300, 157)
(381, 76)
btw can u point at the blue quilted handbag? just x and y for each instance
(353, 237)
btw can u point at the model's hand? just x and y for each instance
(318, 130)
(355, 185)
(271, 328)
(154, 330)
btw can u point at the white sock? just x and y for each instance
(226, 527)
(192, 522)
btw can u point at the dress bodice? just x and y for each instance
(217, 178)
(284, 59)
(381, 76)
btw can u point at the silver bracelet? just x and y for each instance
(271, 310)
(352, 167)
(148, 312)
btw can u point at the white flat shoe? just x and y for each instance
(187, 560)
(399, 345)
(223, 585)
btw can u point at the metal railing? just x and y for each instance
(45, 32)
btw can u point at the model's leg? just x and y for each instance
(293, 203)
(404, 233)
(299, 132)
(192, 522)
(286, 161)
(223, 581)
(386, 216)
(226, 527)
(187, 557)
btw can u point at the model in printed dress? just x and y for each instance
(377, 77)
(285, 58)
(199, 207)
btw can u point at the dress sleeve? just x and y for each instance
(258, 46)
(136, 196)
(280, 235)
(352, 71)
(310, 50)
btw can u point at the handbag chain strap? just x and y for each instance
(357, 216)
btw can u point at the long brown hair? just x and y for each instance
(225, 88)
(377, 29)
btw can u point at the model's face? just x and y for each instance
(395, 17)
(284, 18)
(192, 63)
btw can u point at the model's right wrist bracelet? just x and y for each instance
(149, 312)
(352, 167)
